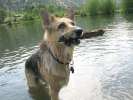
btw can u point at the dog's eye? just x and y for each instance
(72, 23)
(62, 26)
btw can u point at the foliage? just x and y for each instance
(127, 6)
(56, 10)
(95, 7)
(31, 13)
(91, 7)
(28, 16)
(2, 15)
(28, 13)
(107, 7)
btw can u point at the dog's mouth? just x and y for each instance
(70, 40)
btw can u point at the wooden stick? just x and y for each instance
(90, 34)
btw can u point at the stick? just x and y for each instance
(90, 34)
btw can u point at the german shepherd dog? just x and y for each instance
(51, 62)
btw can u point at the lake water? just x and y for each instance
(103, 65)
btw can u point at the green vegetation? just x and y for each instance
(107, 7)
(91, 7)
(3, 15)
(32, 13)
(95, 7)
(127, 6)
(56, 10)
(29, 13)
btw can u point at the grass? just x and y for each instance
(107, 7)
(90, 8)
(96, 7)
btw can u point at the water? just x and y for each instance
(103, 65)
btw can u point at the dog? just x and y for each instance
(50, 64)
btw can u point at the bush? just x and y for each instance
(2, 15)
(127, 6)
(95, 7)
(91, 7)
(56, 10)
(31, 13)
(28, 16)
(107, 7)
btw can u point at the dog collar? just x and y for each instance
(55, 58)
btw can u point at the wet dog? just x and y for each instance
(50, 63)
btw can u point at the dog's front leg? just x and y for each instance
(54, 92)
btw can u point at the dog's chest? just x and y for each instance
(51, 66)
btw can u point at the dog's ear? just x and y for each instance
(47, 18)
(70, 13)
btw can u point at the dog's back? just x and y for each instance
(32, 63)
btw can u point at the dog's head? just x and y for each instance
(62, 30)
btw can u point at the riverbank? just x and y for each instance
(28, 14)
(90, 8)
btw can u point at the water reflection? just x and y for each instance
(22, 35)
(39, 93)
(103, 65)
(95, 22)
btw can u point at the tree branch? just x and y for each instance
(90, 34)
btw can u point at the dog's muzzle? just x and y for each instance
(73, 39)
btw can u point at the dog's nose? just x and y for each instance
(78, 32)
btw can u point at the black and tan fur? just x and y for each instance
(51, 62)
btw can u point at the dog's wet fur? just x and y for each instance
(50, 64)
